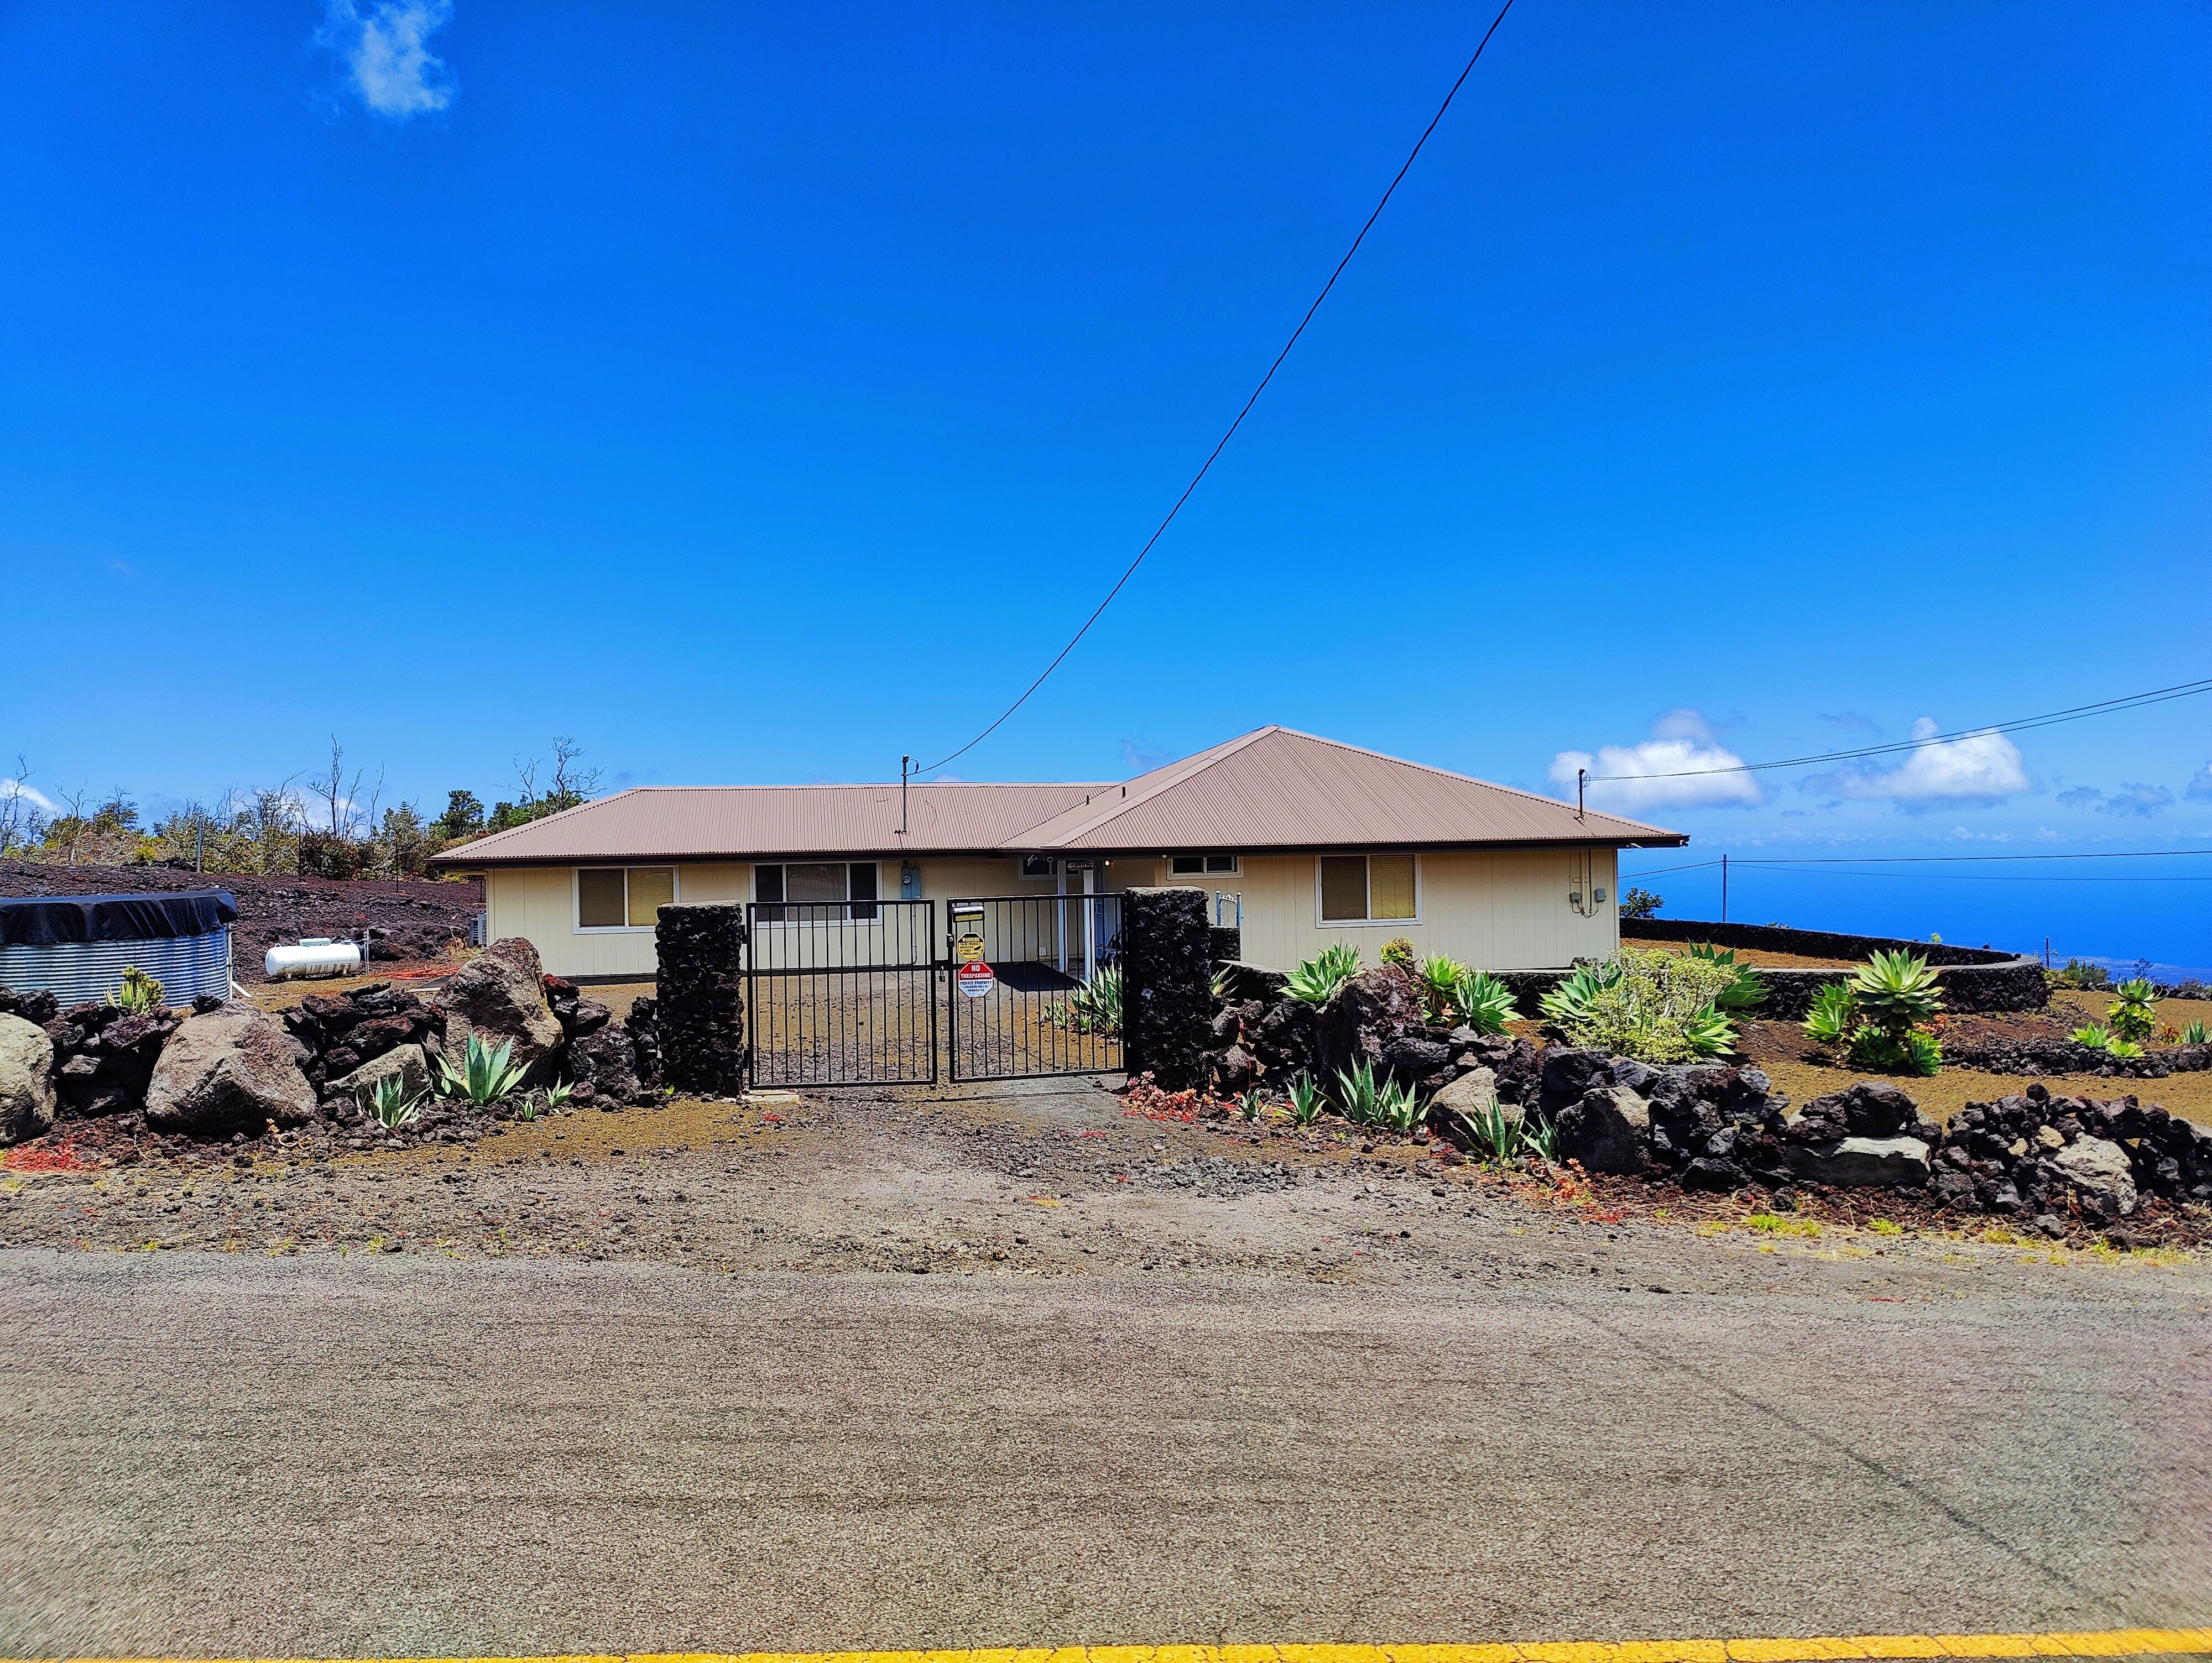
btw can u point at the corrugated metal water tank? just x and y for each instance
(78, 946)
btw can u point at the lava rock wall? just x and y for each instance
(698, 1018)
(1167, 992)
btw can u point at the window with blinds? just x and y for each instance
(623, 897)
(1368, 889)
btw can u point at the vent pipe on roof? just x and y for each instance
(904, 763)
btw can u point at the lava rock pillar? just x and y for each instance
(699, 1015)
(1167, 992)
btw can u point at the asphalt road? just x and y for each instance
(240, 1456)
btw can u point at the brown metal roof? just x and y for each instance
(1274, 789)
(736, 822)
(1280, 789)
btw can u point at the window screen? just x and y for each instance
(599, 898)
(816, 883)
(1391, 885)
(1344, 888)
(651, 888)
(1197, 865)
(1221, 863)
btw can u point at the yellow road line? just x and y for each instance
(2109, 1642)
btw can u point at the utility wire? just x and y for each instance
(2103, 707)
(1161, 529)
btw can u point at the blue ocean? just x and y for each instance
(2119, 920)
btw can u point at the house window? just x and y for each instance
(1039, 866)
(815, 891)
(1368, 889)
(623, 897)
(1201, 865)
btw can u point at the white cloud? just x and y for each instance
(12, 790)
(1981, 768)
(386, 53)
(1681, 744)
(2199, 788)
(2135, 798)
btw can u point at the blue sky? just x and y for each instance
(759, 393)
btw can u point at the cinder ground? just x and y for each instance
(1160, 1383)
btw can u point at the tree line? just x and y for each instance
(329, 825)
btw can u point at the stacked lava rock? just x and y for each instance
(1262, 1035)
(340, 1032)
(1167, 998)
(103, 1056)
(698, 1017)
(2044, 1154)
(2066, 1056)
(1708, 1126)
(600, 1055)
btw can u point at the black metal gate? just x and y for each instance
(841, 993)
(1047, 1000)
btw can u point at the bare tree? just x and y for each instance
(20, 819)
(571, 785)
(74, 800)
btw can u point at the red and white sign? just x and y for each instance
(974, 979)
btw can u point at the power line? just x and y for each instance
(2103, 707)
(1162, 527)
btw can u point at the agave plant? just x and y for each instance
(1708, 1032)
(1316, 978)
(1745, 992)
(1397, 1107)
(1440, 977)
(2194, 1033)
(2116, 1047)
(389, 1104)
(2131, 1017)
(485, 1075)
(1094, 1007)
(1219, 982)
(1570, 1002)
(1834, 1016)
(1498, 1132)
(1895, 992)
(2095, 1034)
(1250, 1103)
(1485, 1004)
(1358, 1097)
(557, 1095)
(1306, 1101)
(138, 993)
(1912, 1052)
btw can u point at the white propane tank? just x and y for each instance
(316, 956)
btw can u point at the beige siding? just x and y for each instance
(539, 903)
(1503, 911)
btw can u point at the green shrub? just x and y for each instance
(2080, 972)
(2131, 1016)
(1913, 1052)
(1484, 1003)
(1316, 978)
(1657, 1007)
(1895, 992)
(1398, 951)
(2194, 1033)
(2092, 1033)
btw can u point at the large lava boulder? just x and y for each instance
(499, 996)
(1367, 1019)
(233, 1070)
(27, 1080)
(1607, 1129)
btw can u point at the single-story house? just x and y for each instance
(1306, 840)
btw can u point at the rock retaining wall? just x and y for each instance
(1975, 978)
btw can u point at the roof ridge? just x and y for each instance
(1454, 773)
(1122, 805)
